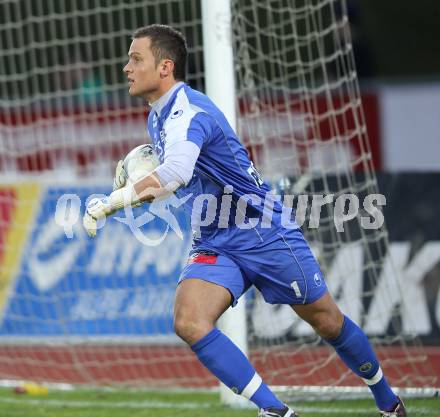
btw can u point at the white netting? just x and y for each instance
(303, 121)
(63, 95)
(76, 311)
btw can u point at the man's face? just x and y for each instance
(141, 70)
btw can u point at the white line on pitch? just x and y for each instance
(184, 405)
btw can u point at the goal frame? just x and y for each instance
(220, 87)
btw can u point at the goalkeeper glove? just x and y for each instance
(96, 209)
(99, 208)
(120, 179)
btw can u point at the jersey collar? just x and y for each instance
(161, 102)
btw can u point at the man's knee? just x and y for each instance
(328, 327)
(323, 315)
(191, 329)
(183, 327)
(197, 307)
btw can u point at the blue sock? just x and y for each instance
(354, 349)
(228, 363)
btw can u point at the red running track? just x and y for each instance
(167, 366)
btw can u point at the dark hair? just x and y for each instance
(166, 43)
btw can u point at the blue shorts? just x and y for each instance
(284, 270)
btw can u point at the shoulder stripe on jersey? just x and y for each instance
(179, 119)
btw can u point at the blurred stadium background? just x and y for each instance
(98, 312)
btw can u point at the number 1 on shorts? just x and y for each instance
(296, 289)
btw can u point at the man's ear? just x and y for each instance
(166, 68)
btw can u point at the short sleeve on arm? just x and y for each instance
(200, 129)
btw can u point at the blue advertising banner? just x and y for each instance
(121, 283)
(56, 282)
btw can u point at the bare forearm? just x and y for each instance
(149, 188)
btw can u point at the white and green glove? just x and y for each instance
(96, 209)
(99, 208)
(121, 176)
(139, 162)
(121, 179)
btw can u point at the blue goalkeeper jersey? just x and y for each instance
(230, 206)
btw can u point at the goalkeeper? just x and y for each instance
(202, 157)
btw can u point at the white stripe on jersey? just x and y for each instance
(178, 121)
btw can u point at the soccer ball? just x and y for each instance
(139, 162)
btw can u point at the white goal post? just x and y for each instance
(220, 87)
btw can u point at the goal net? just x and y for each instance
(302, 120)
(99, 312)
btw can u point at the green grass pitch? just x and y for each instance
(129, 403)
